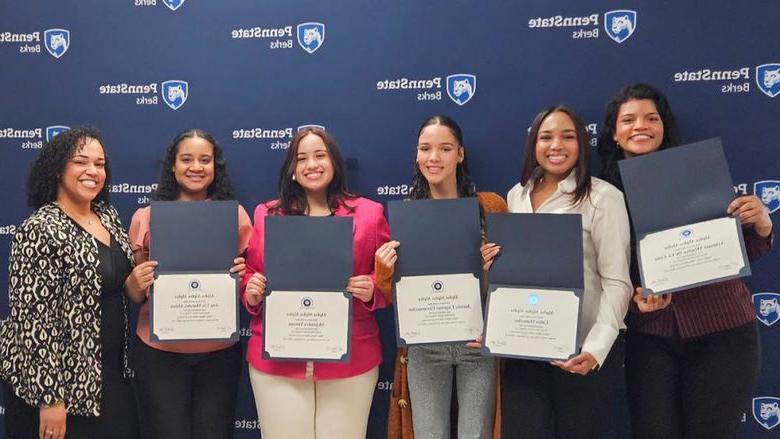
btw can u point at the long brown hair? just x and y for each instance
(582, 168)
(292, 197)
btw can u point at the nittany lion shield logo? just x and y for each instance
(174, 93)
(311, 36)
(768, 79)
(766, 411)
(56, 41)
(767, 307)
(54, 130)
(768, 191)
(173, 4)
(307, 302)
(311, 125)
(620, 24)
(194, 285)
(461, 87)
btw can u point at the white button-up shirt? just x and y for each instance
(606, 255)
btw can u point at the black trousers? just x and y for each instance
(187, 396)
(539, 400)
(691, 388)
(117, 419)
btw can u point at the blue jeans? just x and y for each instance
(430, 371)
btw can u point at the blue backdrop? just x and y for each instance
(370, 72)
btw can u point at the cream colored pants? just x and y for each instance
(307, 409)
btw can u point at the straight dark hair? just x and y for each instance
(420, 188)
(609, 151)
(581, 168)
(292, 197)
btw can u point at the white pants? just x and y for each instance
(307, 409)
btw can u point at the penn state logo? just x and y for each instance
(768, 79)
(533, 299)
(307, 302)
(194, 285)
(768, 191)
(461, 87)
(686, 234)
(620, 24)
(53, 130)
(173, 4)
(766, 411)
(174, 93)
(311, 36)
(56, 41)
(767, 307)
(437, 286)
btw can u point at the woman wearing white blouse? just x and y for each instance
(569, 399)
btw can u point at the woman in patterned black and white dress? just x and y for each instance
(63, 350)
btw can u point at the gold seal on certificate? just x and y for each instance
(438, 308)
(692, 254)
(307, 325)
(200, 306)
(532, 323)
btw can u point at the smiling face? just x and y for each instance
(84, 174)
(194, 168)
(438, 155)
(638, 129)
(557, 148)
(313, 167)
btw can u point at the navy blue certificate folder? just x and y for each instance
(309, 260)
(304, 253)
(676, 186)
(194, 297)
(679, 191)
(537, 249)
(540, 263)
(436, 236)
(193, 236)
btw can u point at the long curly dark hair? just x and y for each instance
(609, 151)
(292, 198)
(168, 188)
(466, 187)
(581, 168)
(43, 179)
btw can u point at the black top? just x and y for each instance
(114, 269)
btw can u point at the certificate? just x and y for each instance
(307, 315)
(307, 324)
(189, 306)
(672, 258)
(536, 286)
(437, 276)
(684, 238)
(194, 296)
(437, 308)
(531, 323)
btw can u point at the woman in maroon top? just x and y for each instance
(691, 360)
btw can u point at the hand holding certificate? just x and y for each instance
(437, 291)
(194, 296)
(684, 237)
(536, 286)
(307, 315)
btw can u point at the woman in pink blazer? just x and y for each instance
(309, 400)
